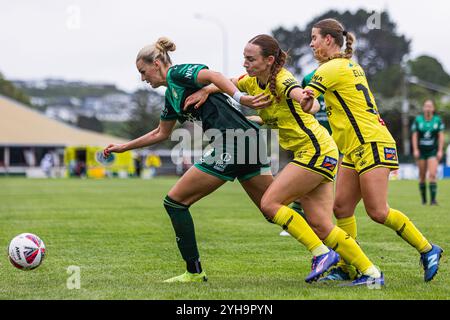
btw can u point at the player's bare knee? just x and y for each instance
(268, 208)
(378, 215)
(341, 210)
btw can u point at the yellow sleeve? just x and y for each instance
(325, 78)
(243, 83)
(285, 83)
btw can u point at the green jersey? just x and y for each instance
(216, 113)
(321, 115)
(427, 132)
(242, 155)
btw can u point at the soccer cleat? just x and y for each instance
(369, 281)
(189, 277)
(434, 203)
(322, 264)
(430, 262)
(336, 274)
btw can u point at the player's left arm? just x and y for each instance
(325, 78)
(299, 95)
(222, 84)
(440, 152)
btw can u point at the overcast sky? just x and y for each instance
(97, 40)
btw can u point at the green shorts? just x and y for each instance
(234, 161)
(426, 154)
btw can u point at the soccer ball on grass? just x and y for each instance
(26, 251)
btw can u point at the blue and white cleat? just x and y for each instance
(336, 274)
(368, 281)
(322, 264)
(430, 262)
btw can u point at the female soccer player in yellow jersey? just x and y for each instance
(309, 176)
(361, 135)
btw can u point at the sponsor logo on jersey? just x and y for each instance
(289, 82)
(359, 152)
(300, 154)
(223, 161)
(317, 78)
(390, 154)
(189, 72)
(329, 163)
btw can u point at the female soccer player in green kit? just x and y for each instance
(216, 167)
(428, 148)
(309, 176)
(361, 135)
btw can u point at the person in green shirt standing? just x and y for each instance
(428, 148)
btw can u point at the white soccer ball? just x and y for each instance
(26, 251)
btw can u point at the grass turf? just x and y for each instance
(118, 234)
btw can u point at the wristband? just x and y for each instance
(237, 96)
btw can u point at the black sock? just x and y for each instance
(423, 191)
(185, 233)
(433, 191)
(194, 266)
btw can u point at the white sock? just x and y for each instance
(372, 272)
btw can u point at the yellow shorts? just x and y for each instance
(323, 160)
(372, 155)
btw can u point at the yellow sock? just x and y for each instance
(401, 224)
(348, 225)
(297, 227)
(348, 249)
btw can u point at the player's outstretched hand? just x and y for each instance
(260, 101)
(118, 148)
(197, 99)
(307, 101)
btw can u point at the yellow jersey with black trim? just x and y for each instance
(297, 129)
(351, 108)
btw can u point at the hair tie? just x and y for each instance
(344, 33)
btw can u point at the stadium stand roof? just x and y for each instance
(23, 126)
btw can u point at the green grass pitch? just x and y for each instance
(119, 235)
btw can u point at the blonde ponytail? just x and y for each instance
(157, 51)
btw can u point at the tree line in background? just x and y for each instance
(382, 52)
(9, 90)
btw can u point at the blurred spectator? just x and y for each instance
(152, 162)
(137, 165)
(47, 164)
